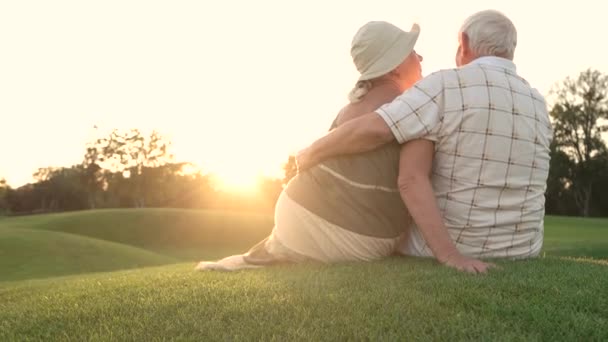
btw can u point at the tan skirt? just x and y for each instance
(300, 235)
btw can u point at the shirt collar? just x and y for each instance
(495, 61)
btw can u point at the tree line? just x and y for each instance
(578, 173)
(128, 169)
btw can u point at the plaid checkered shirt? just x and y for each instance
(492, 133)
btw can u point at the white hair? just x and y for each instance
(490, 33)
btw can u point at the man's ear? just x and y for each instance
(464, 44)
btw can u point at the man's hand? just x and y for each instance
(362, 134)
(466, 264)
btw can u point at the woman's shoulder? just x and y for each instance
(373, 100)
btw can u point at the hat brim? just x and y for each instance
(394, 56)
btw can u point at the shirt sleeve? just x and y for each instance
(416, 113)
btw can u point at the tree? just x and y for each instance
(128, 160)
(580, 107)
(93, 176)
(55, 189)
(600, 198)
(60, 189)
(22, 199)
(4, 188)
(147, 155)
(559, 199)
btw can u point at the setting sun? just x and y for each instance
(238, 181)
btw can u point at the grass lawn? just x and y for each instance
(560, 296)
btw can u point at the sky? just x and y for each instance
(236, 86)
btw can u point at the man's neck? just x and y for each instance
(494, 61)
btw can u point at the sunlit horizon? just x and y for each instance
(235, 86)
(242, 182)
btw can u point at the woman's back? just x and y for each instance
(347, 208)
(358, 193)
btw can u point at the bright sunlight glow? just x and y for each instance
(236, 91)
(237, 180)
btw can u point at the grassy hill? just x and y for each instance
(26, 253)
(186, 234)
(560, 296)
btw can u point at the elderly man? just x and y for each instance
(486, 132)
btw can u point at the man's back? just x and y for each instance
(491, 160)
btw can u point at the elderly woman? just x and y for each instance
(347, 208)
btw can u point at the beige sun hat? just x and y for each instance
(379, 47)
